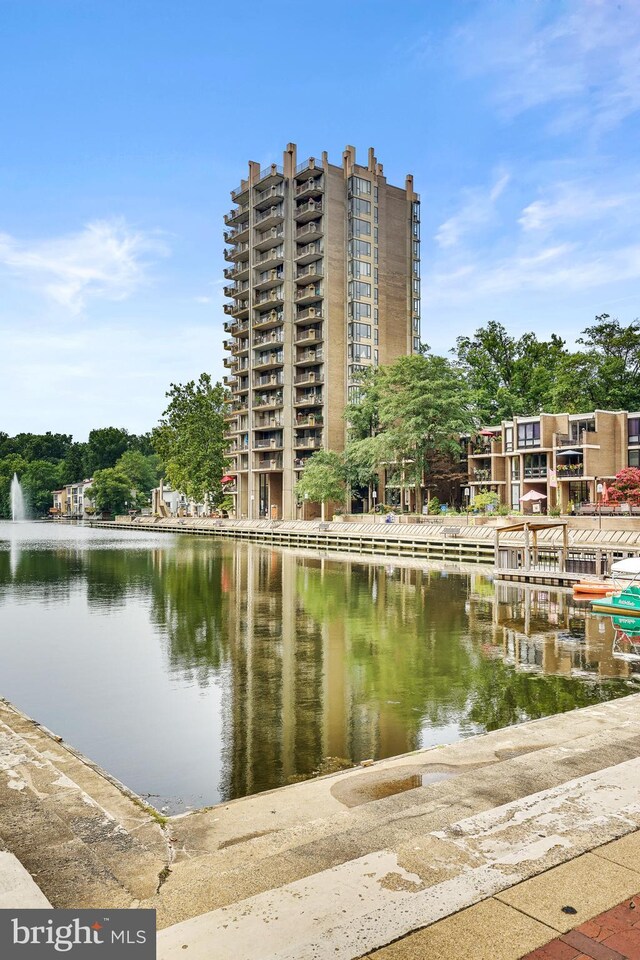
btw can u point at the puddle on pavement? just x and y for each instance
(365, 788)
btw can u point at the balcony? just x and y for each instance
(308, 252)
(267, 198)
(270, 175)
(240, 346)
(308, 294)
(269, 380)
(310, 231)
(238, 326)
(535, 473)
(271, 217)
(310, 273)
(309, 335)
(267, 423)
(229, 382)
(240, 193)
(269, 443)
(235, 253)
(311, 188)
(268, 238)
(238, 310)
(307, 358)
(237, 290)
(310, 167)
(239, 272)
(309, 420)
(310, 210)
(299, 462)
(266, 361)
(268, 463)
(308, 443)
(570, 471)
(238, 234)
(309, 376)
(480, 475)
(276, 336)
(267, 278)
(310, 313)
(273, 297)
(237, 213)
(309, 398)
(262, 321)
(268, 401)
(271, 258)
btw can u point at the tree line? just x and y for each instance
(120, 462)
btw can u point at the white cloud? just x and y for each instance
(560, 267)
(585, 61)
(106, 260)
(569, 203)
(477, 210)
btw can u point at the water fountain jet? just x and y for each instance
(18, 511)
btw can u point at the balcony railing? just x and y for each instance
(535, 473)
(272, 443)
(277, 336)
(270, 380)
(312, 185)
(271, 193)
(273, 212)
(269, 400)
(309, 420)
(572, 471)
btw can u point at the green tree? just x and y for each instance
(39, 479)
(10, 464)
(509, 376)
(143, 472)
(323, 479)
(74, 465)
(111, 490)
(190, 439)
(606, 373)
(424, 407)
(105, 447)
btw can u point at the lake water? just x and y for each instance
(197, 671)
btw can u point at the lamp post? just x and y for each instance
(304, 506)
(599, 491)
(374, 494)
(467, 494)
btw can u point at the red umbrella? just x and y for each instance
(489, 433)
(605, 493)
(228, 480)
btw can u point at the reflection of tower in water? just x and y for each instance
(295, 691)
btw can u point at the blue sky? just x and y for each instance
(125, 124)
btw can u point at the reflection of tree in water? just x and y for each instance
(403, 640)
(188, 603)
(503, 696)
(42, 574)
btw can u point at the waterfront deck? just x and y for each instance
(552, 559)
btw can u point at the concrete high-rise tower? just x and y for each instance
(324, 280)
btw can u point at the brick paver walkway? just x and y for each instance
(613, 935)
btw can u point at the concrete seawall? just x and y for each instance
(343, 865)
